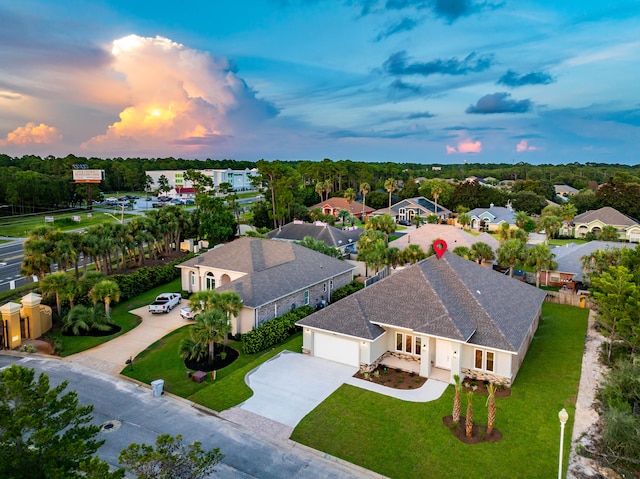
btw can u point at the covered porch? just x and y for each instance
(405, 364)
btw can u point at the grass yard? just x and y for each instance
(562, 242)
(408, 440)
(21, 227)
(122, 317)
(161, 361)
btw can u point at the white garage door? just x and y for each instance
(337, 349)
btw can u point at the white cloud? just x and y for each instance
(31, 134)
(465, 146)
(524, 146)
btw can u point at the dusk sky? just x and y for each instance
(422, 81)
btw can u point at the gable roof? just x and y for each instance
(339, 203)
(419, 203)
(607, 215)
(274, 269)
(449, 297)
(569, 256)
(336, 237)
(427, 234)
(496, 214)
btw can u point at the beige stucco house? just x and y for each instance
(439, 317)
(593, 221)
(271, 277)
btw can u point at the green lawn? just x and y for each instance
(21, 227)
(120, 314)
(408, 440)
(161, 361)
(562, 242)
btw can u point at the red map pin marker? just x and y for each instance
(439, 246)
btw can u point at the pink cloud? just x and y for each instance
(31, 134)
(524, 146)
(465, 146)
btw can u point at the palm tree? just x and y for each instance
(328, 186)
(413, 253)
(210, 326)
(521, 218)
(350, 195)
(82, 318)
(59, 284)
(482, 252)
(343, 215)
(549, 224)
(463, 252)
(417, 220)
(464, 219)
(568, 212)
(106, 291)
(468, 422)
(491, 408)
(609, 233)
(230, 303)
(511, 252)
(320, 189)
(541, 257)
(456, 400)
(364, 189)
(382, 223)
(436, 191)
(390, 185)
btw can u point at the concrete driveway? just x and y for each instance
(111, 356)
(289, 386)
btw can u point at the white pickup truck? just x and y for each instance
(165, 302)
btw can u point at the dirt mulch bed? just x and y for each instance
(393, 378)
(217, 363)
(478, 434)
(43, 347)
(501, 391)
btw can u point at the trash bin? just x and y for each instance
(157, 386)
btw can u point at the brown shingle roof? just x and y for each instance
(450, 297)
(608, 215)
(355, 208)
(274, 268)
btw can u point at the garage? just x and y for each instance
(337, 349)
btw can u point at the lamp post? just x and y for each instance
(563, 416)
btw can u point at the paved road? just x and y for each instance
(11, 255)
(140, 417)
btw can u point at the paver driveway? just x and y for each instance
(289, 386)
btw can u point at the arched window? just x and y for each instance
(209, 281)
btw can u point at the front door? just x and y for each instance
(443, 354)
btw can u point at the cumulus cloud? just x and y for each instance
(398, 64)
(177, 96)
(32, 134)
(500, 102)
(524, 146)
(513, 79)
(465, 146)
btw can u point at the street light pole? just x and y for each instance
(563, 416)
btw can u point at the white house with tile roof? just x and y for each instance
(593, 221)
(271, 277)
(441, 316)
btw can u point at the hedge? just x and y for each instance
(346, 290)
(273, 331)
(145, 278)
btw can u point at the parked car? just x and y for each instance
(186, 313)
(165, 302)
(404, 222)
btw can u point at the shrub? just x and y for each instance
(273, 331)
(346, 290)
(146, 278)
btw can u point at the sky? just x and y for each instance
(416, 81)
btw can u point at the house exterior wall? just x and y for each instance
(200, 275)
(519, 357)
(502, 362)
(317, 294)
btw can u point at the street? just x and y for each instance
(137, 416)
(11, 255)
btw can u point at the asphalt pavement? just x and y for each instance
(137, 416)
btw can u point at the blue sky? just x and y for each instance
(424, 81)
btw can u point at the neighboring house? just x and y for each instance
(427, 234)
(565, 190)
(337, 237)
(239, 180)
(593, 221)
(271, 277)
(410, 207)
(333, 206)
(569, 260)
(491, 218)
(439, 317)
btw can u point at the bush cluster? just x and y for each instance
(146, 278)
(273, 331)
(346, 290)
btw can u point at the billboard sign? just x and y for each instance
(48, 219)
(88, 176)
